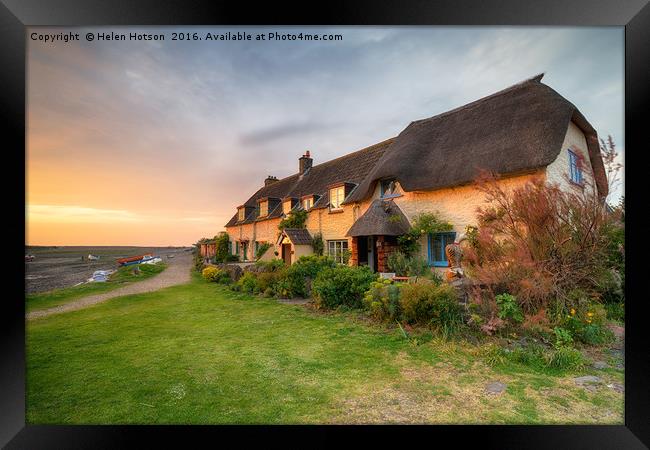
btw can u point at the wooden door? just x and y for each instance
(286, 254)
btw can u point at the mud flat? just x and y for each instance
(60, 267)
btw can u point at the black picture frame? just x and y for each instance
(16, 15)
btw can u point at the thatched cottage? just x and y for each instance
(523, 131)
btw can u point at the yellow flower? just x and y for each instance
(590, 314)
(573, 312)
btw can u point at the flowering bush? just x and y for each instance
(383, 300)
(215, 275)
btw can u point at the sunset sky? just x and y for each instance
(155, 143)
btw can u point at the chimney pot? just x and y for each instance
(269, 180)
(304, 162)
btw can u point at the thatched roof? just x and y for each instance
(383, 218)
(351, 168)
(297, 236)
(516, 130)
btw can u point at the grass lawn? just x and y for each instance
(122, 277)
(199, 353)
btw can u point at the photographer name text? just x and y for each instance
(182, 36)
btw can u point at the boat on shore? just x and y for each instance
(134, 259)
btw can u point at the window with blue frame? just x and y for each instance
(575, 171)
(436, 248)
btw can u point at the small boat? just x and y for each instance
(93, 257)
(29, 258)
(100, 276)
(133, 259)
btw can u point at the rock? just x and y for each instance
(233, 270)
(495, 387)
(617, 387)
(600, 365)
(587, 379)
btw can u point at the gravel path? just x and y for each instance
(178, 272)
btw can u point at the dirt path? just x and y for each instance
(178, 272)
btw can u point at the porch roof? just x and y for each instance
(383, 218)
(297, 236)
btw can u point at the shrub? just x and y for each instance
(342, 285)
(383, 300)
(197, 261)
(563, 337)
(222, 241)
(302, 272)
(215, 275)
(231, 258)
(423, 224)
(539, 243)
(248, 283)
(261, 250)
(269, 280)
(593, 334)
(428, 303)
(508, 309)
(271, 266)
(407, 266)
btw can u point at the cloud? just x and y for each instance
(190, 129)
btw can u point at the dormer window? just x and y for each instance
(307, 203)
(337, 195)
(386, 188)
(264, 208)
(242, 214)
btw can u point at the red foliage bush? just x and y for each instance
(538, 242)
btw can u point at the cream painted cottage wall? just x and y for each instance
(558, 170)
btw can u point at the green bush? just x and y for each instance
(429, 303)
(383, 300)
(342, 285)
(508, 309)
(407, 266)
(594, 334)
(563, 337)
(302, 272)
(248, 283)
(215, 275)
(271, 266)
(222, 244)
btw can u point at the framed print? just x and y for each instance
(262, 223)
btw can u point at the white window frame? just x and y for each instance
(241, 214)
(336, 248)
(337, 195)
(307, 203)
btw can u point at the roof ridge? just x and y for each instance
(370, 147)
(536, 79)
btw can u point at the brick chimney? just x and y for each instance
(304, 163)
(270, 180)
